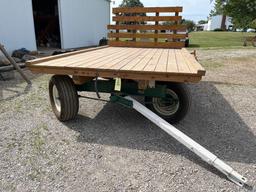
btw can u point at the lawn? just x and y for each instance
(218, 39)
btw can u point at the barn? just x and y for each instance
(65, 24)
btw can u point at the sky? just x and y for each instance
(192, 9)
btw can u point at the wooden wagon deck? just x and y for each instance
(176, 65)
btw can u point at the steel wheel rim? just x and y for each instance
(168, 106)
(56, 98)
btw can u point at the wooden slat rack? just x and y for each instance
(143, 27)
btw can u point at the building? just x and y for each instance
(53, 23)
(215, 22)
(201, 27)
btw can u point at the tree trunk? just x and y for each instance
(223, 23)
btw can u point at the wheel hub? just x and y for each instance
(167, 106)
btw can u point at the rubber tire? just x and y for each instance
(68, 97)
(184, 98)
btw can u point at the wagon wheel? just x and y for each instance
(175, 106)
(63, 97)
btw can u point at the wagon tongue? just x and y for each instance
(199, 150)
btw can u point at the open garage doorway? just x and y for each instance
(47, 26)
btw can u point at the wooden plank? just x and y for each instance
(97, 59)
(153, 62)
(147, 35)
(142, 64)
(132, 63)
(40, 60)
(187, 62)
(172, 63)
(147, 27)
(114, 64)
(85, 57)
(122, 74)
(147, 10)
(197, 66)
(129, 58)
(162, 62)
(92, 57)
(147, 44)
(181, 63)
(107, 59)
(146, 18)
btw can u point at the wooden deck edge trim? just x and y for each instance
(147, 9)
(160, 77)
(45, 59)
(123, 75)
(46, 69)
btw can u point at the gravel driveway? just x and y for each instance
(112, 148)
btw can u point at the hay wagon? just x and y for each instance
(142, 59)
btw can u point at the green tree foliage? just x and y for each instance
(243, 12)
(202, 22)
(131, 3)
(168, 23)
(218, 8)
(189, 23)
(253, 24)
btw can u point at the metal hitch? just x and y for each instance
(199, 150)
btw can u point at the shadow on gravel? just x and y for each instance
(14, 92)
(11, 88)
(212, 122)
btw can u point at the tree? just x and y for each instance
(202, 22)
(218, 8)
(189, 23)
(131, 3)
(243, 12)
(168, 23)
(253, 24)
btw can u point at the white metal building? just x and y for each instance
(215, 22)
(80, 22)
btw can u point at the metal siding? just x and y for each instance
(83, 22)
(17, 25)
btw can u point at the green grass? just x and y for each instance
(218, 39)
